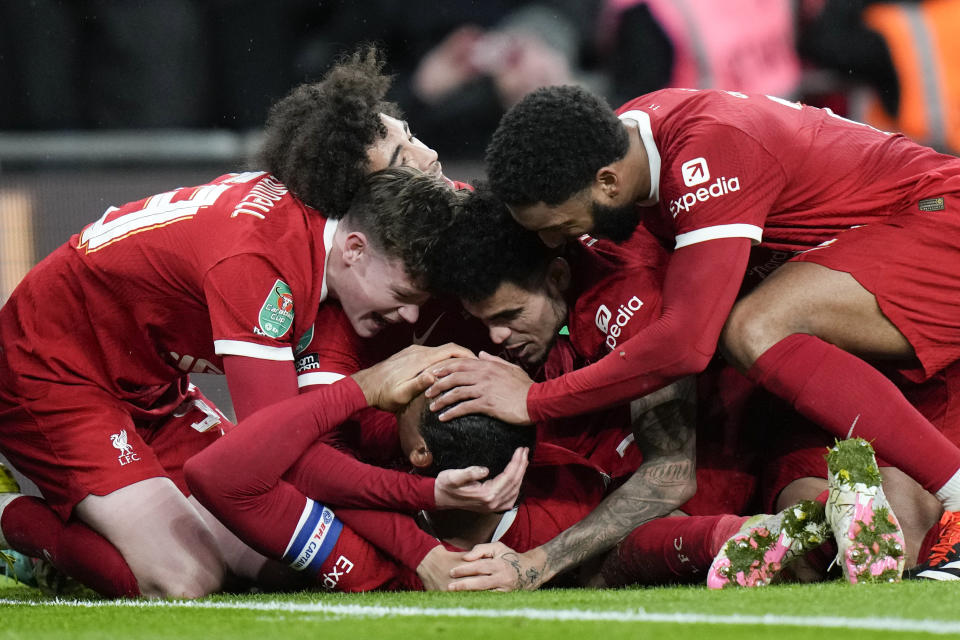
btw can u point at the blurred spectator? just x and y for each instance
(742, 45)
(906, 53)
(461, 63)
(132, 64)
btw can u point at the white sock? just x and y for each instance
(5, 499)
(949, 494)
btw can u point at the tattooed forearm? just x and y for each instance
(665, 473)
(666, 424)
(657, 488)
(665, 480)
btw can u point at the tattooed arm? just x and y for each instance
(663, 424)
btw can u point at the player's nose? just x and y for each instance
(498, 335)
(409, 313)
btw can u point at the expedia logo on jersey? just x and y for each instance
(697, 172)
(342, 566)
(276, 314)
(612, 325)
(307, 362)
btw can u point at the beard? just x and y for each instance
(614, 223)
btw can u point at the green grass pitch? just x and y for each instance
(830, 610)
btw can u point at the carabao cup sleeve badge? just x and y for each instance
(276, 314)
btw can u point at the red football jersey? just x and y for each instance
(560, 489)
(725, 164)
(615, 291)
(165, 286)
(616, 294)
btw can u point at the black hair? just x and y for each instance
(550, 145)
(316, 138)
(485, 247)
(404, 213)
(474, 439)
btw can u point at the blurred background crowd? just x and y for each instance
(218, 64)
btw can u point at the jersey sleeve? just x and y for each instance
(699, 289)
(252, 308)
(396, 534)
(336, 478)
(329, 350)
(719, 183)
(239, 477)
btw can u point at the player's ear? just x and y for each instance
(420, 457)
(355, 246)
(608, 181)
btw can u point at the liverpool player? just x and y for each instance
(265, 506)
(225, 277)
(715, 173)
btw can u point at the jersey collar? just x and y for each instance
(653, 154)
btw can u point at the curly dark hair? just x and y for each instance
(473, 439)
(404, 212)
(484, 247)
(551, 144)
(316, 138)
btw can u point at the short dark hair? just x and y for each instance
(485, 247)
(474, 439)
(316, 138)
(550, 145)
(403, 212)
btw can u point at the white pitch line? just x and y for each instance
(630, 615)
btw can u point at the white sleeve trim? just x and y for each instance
(739, 230)
(505, 521)
(315, 377)
(252, 350)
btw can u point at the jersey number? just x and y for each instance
(159, 211)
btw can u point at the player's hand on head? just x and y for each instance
(467, 489)
(391, 385)
(488, 384)
(496, 567)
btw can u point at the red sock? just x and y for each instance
(669, 550)
(34, 529)
(845, 395)
(932, 537)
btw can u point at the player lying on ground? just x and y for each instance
(714, 173)
(245, 488)
(523, 297)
